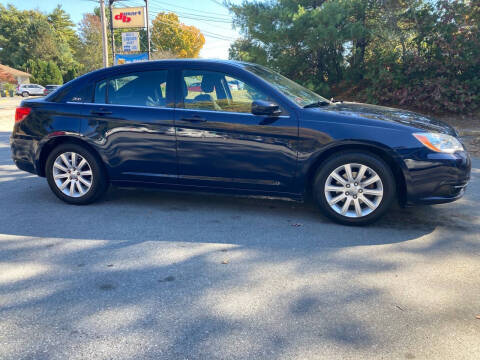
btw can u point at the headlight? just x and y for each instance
(439, 142)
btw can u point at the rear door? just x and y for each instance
(131, 121)
(36, 90)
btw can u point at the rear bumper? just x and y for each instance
(437, 178)
(23, 153)
(25, 166)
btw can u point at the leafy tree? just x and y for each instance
(67, 41)
(306, 39)
(246, 50)
(63, 26)
(41, 42)
(53, 74)
(6, 77)
(14, 36)
(163, 54)
(169, 34)
(90, 53)
(44, 72)
(30, 34)
(416, 53)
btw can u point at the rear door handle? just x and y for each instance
(194, 119)
(100, 112)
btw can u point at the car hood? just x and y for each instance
(382, 113)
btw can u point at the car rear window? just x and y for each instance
(146, 88)
(84, 95)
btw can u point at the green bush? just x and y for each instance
(417, 54)
(44, 72)
(9, 87)
(442, 74)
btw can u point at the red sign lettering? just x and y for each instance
(123, 17)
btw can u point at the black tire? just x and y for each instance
(99, 183)
(354, 157)
(25, 94)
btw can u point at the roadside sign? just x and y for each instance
(128, 17)
(130, 58)
(130, 41)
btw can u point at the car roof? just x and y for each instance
(186, 62)
(142, 65)
(151, 64)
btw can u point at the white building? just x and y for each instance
(21, 76)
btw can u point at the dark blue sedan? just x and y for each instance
(225, 126)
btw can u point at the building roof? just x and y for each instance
(13, 71)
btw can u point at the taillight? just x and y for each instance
(21, 113)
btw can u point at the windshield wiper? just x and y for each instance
(317, 104)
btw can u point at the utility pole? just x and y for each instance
(104, 34)
(148, 29)
(110, 3)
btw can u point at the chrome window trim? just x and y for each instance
(229, 112)
(130, 106)
(174, 108)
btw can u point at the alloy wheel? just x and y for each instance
(353, 190)
(72, 174)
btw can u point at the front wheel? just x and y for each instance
(25, 94)
(354, 188)
(75, 175)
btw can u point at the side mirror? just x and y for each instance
(262, 107)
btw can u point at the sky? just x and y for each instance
(210, 16)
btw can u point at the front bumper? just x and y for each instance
(435, 178)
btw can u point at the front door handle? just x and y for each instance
(100, 112)
(194, 119)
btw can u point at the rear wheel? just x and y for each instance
(354, 188)
(75, 175)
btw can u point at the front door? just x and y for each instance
(220, 143)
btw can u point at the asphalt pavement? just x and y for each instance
(154, 275)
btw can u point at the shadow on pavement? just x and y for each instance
(158, 275)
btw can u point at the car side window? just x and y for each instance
(100, 92)
(148, 88)
(216, 91)
(84, 95)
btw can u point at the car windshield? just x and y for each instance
(296, 92)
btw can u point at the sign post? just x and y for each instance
(110, 3)
(132, 17)
(148, 28)
(104, 34)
